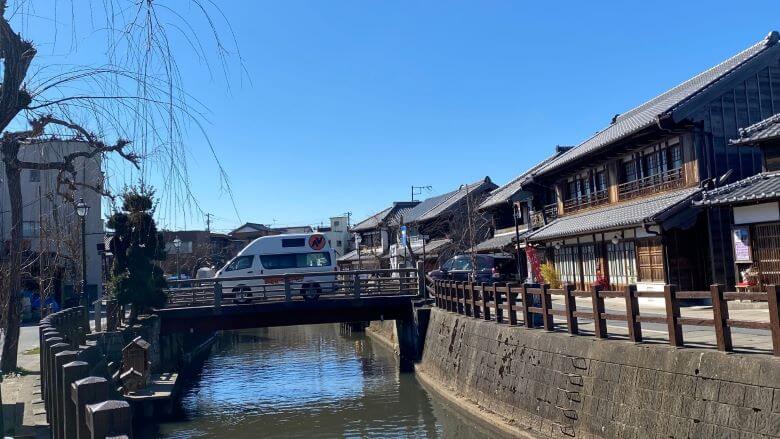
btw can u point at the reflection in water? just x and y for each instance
(309, 381)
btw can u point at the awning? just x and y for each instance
(431, 248)
(758, 188)
(656, 209)
(499, 242)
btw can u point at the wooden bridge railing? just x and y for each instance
(296, 286)
(531, 306)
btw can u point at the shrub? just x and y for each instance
(550, 276)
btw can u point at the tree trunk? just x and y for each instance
(8, 361)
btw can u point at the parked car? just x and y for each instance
(490, 268)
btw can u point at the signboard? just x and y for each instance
(317, 242)
(741, 238)
(403, 236)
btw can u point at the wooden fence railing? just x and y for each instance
(531, 306)
(295, 286)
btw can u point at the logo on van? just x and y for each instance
(317, 242)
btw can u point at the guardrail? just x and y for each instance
(296, 286)
(504, 303)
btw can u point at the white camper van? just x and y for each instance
(299, 253)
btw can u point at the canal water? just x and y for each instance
(309, 382)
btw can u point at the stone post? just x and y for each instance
(58, 420)
(51, 378)
(71, 372)
(87, 391)
(109, 419)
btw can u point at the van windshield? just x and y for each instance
(295, 260)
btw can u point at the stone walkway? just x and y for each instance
(22, 406)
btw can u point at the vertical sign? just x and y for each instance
(741, 238)
(403, 236)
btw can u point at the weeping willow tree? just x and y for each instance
(127, 108)
(135, 279)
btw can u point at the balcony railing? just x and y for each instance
(549, 211)
(663, 181)
(586, 201)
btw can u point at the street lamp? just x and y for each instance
(177, 245)
(82, 209)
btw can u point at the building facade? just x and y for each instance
(51, 230)
(622, 200)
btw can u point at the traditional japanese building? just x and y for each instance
(373, 238)
(751, 258)
(623, 198)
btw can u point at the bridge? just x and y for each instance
(204, 305)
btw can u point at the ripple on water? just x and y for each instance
(308, 381)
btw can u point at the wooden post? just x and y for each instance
(600, 326)
(421, 290)
(632, 314)
(475, 310)
(527, 320)
(571, 306)
(58, 404)
(720, 311)
(511, 301)
(287, 291)
(672, 314)
(71, 372)
(109, 419)
(355, 286)
(463, 286)
(87, 391)
(497, 300)
(485, 300)
(547, 318)
(468, 299)
(773, 297)
(217, 294)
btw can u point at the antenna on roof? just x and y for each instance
(418, 190)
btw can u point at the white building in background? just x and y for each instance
(48, 217)
(338, 234)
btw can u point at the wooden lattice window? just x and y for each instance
(766, 252)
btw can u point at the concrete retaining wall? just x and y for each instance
(384, 332)
(551, 384)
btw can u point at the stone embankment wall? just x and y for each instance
(551, 384)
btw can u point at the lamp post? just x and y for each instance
(82, 209)
(177, 245)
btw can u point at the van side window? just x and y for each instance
(240, 263)
(295, 260)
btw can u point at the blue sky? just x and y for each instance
(346, 104)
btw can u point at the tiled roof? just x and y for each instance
(372, 221)
(365, 254)
(647, 114)
(431, 247)
(498, 242)
(761, 187)
(387, 216)
(615, 216)
(767, 129)
(435, 206)
(507, 191)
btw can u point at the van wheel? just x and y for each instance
(241, 295)
(311, 294)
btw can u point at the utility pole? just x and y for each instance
(349, 216)
(208, 222)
